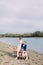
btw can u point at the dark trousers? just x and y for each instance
(24, 46)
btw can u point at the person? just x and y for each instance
(19, 46)
(22, 45)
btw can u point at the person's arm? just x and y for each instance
(24, 42)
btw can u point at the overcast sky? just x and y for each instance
(21, 16)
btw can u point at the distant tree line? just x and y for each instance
(34, 34)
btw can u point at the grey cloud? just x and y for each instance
(21, 15)
(9, 9)
(29, 13)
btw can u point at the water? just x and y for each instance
(32, 43)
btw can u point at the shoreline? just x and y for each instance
(6, 57)
(12, 45)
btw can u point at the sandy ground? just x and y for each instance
(6, 57)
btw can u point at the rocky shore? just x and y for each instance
(6, 57)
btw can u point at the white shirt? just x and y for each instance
(19, 45)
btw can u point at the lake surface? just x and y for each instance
(32, 43)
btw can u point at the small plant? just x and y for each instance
(12, 64)
(2, 53)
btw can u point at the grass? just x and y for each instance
(2, 53)
(12, 64)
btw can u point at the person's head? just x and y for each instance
(20, 38)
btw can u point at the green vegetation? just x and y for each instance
(2, 53)
(34, 34)
(12, 64)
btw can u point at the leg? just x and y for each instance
(25, 54)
